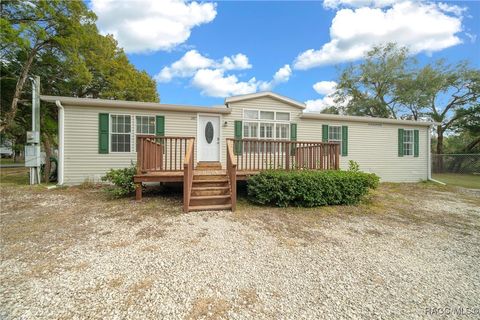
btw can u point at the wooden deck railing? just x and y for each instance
(232, 173)
(158, 153)
(188, 165)
(257, 155)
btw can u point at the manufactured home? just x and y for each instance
(210, 148)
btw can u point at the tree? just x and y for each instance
(64, 32)
(467, 128)
(59, 41)
(370, 88)
(390, 84)
(452, 93)
(29, 27)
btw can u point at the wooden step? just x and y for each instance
(209, 177)
(212, 191)
(209, 166)
(211, 207)
(210, 200)
(210, 183)
(220, 196)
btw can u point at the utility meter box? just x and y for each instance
(33, 137)
(32, 156)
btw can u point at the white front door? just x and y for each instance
(208, 137)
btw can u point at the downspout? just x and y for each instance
(429, 157)
(61, 142)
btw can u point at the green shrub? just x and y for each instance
(353, 166)
(310, 188)
(122, 180)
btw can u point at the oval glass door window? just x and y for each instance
(209, 132)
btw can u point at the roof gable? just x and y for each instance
(275, 96)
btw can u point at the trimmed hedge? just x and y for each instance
(310, 188)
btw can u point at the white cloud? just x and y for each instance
(151, 25)
(282, 75)
(318, 105)
(420, 26)
(192, 61)
(325, 88)
(215, 83)
(236, 62)
(334, 4)
(186, 66)
(456, 10)
(210, 75)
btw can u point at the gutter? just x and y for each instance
(61, 142)
(336, 117)
(103, 103)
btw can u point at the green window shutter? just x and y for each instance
(293, 132)
(160, 126)
(103, 119)
(415, 143)
(344, 141)
(325, 133)
(293, 136)
(400, 142)
(238, 135)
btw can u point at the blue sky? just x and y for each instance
(292, 48)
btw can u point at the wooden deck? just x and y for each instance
(177, 176)
(208, 186)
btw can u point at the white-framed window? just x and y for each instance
(250, 114)
(408, 141)
(267, 130)
(282, 131)
(120, 133)
(335, 134)
(250, 130)
(282, 116)
(145, 125)
(267, 115)
(266, 124)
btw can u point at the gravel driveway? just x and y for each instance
(73, 253)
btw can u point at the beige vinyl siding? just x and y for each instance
(82, 160)
(375, 147)
(372, 145)
(264, 103)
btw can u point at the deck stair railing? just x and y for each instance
(188, 167)
(232, 173)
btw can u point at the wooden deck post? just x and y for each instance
(337, 156)
(139, 155)
(287, 156)
(138, 191)
(232, 173)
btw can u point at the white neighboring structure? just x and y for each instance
(6, 148)
(97, 135)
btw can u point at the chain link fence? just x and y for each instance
(456, 163)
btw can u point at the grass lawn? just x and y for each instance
(461, 180)
(14, 176)
(9, 161)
